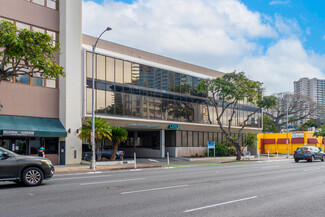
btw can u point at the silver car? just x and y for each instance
(309, 153)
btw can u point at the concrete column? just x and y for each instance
(70, 86)
(162, 143)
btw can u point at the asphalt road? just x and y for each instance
(258, 189)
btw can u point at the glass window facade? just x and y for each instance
(134, 90)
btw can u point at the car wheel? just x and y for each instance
(32, 176)
(322, 159)
(312, 159)
(297, 160)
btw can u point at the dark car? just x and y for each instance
(28, 170)
(309, 153)
(108, 152)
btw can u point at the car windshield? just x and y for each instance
(10, 152)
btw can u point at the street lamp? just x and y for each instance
(287, 130)
(93, 102)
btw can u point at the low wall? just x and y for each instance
(191, 151)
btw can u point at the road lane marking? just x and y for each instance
(80, 177)
(155, 189)
(312, 169)
(122, 180)
(220, 204)
(152, 160)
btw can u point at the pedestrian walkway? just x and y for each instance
(162, 162)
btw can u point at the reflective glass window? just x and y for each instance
(144, 105)
(51, 4)
(118, 71)
(37, 80)
(36, 29)
(135, 74)
(171, 109)
(100, 67)
(157, 78)
(22, 26)
(151, 107)
(89, 101)
(136, 105)
(110, 102)
(110, 67)
(143, 80)
(177, 83)
(171, 81)
(119, 103)
(39, 2)
(127, 72)
(23, 79)
(89, 64)
(177, 110)
(151, 77)
(100, 102)
(51, 83)
(158, 108)
(127, 104)
(164, 80)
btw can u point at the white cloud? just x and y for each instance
(279, 2)
(284, 62)
(219, 34)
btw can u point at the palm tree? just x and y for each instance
(119, 134)
(102, 130)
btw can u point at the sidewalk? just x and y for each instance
(162, 162)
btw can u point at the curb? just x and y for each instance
(104, 169)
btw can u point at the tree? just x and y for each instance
(268, 125)
(250, 140)
(26, 52)
(119, 134)
(320, 132)
(102, 130)
(226, 93)
(308, 124)
(299, 108)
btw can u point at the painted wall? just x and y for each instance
(71, 85)
(274, 142)
(26, 100)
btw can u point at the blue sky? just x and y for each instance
(273, 41)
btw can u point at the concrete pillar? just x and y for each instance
(162, 143)
(71, 88)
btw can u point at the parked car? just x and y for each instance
(28, 170)
(309, 153)
(106, 153)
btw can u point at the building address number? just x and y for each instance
(173, 126)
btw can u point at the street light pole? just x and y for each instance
(93, 102)
(287, 130)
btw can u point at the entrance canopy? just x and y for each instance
(31, 126)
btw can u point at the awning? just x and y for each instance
(31, 126)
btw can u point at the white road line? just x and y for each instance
(220, 204)
(81, 177)
(312, 169)
(152, 160)
(155, 189)
(122, 180)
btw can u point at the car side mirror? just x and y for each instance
(6, 155)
